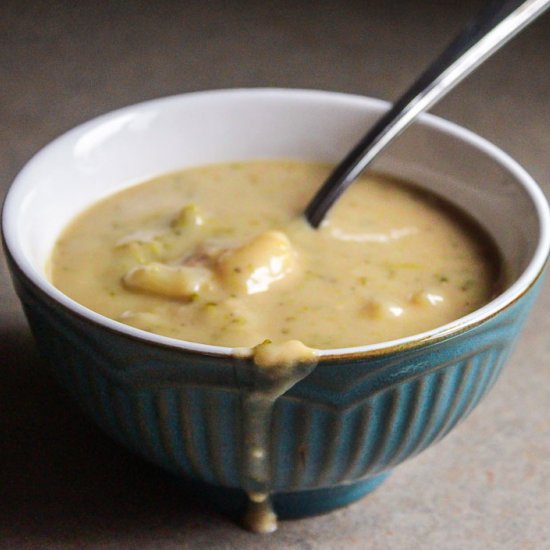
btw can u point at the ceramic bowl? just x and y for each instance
(336, 434)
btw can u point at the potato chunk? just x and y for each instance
(171, 281)
(256, 265)
(382, 308)
(142, 246)
(428, 298)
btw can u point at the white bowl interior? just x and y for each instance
(138, 142)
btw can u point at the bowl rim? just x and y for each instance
(521, 285)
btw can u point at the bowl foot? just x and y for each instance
(311, 502)
(291, 505)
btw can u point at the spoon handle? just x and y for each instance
(496, 23)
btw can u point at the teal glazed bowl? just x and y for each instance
(336, 434)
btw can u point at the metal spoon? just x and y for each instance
(497, 22)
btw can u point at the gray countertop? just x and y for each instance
(65, 485)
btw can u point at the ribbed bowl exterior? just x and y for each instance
(349, 420)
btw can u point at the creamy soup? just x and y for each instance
(220, 255)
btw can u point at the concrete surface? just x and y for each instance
(65, 485)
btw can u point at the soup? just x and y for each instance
(220, 255)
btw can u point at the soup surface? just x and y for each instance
(221, 255)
